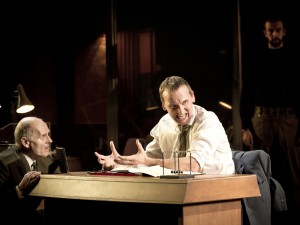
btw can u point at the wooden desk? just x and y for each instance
(205, 199)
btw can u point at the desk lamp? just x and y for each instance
(24, 105)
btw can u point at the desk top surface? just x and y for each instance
(201, 188)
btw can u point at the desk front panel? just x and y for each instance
(205, 199)
(203, 188)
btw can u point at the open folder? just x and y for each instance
(154, 171)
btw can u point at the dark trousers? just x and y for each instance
(276, 133)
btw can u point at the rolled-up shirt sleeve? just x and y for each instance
(210, 146)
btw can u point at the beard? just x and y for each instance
(275, 42)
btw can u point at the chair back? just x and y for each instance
(131, 148)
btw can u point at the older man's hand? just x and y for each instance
(29, 181)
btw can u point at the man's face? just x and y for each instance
(40, 141)
(274, 32)
(179, 104)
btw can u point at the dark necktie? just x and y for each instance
(183, 140)
(34, 166)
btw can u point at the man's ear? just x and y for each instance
(265, 33)
(25, 142)
(193, 97)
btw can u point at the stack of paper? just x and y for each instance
(154, 171)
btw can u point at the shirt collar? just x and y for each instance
(29, 160)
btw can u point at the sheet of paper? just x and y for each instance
(154, 171)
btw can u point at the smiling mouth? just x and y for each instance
(182, 117)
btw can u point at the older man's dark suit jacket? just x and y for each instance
(259, 209)
(13, 166)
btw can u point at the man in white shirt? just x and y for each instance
(206, 140)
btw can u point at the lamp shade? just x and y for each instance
(24, 105)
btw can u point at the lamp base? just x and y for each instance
(177, 176)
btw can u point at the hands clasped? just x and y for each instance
(115, 159)
(29, 181)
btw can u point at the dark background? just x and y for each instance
(40, 43)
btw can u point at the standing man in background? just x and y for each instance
(269, 108)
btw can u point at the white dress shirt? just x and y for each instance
(29, 160)
(209, 144)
